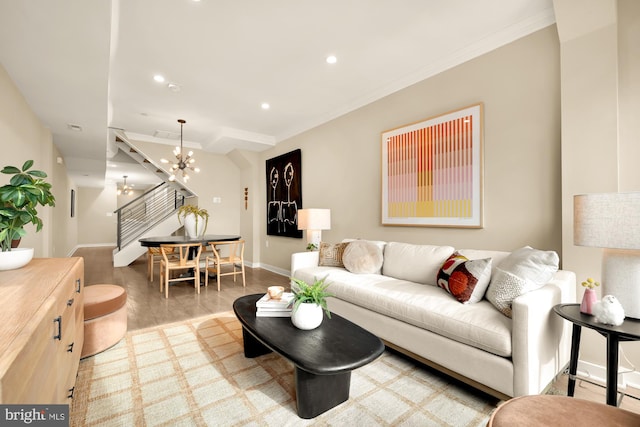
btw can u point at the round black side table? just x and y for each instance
(628, 331)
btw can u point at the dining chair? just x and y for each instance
(154, 257)
(234, 251)
(183, 256)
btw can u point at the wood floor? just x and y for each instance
(148, 307)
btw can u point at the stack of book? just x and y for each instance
(268, 307)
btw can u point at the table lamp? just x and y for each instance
(612, 221)
(314, 221)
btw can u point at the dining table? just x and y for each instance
(156, 241)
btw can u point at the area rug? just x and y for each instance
(194, 373)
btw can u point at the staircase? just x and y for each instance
(151, 214)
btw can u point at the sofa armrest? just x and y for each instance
(303, 260)
(540, 338)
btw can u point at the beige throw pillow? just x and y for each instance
(331, 254)
(362, 257)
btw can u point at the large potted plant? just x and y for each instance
(18, 201)
(194, 219)
(309, 303)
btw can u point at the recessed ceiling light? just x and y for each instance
(158, 78)
(265, 105)
(331, 59)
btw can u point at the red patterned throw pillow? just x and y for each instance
(467, 280)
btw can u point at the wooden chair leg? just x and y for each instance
(218, 276)
(150, 266)
(166, 283)
(243, 282)
(196, 279)
(206, 274)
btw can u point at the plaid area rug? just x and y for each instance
(194, 373)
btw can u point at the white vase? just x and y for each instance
(191, 228)
(15, 258)
(307, 316)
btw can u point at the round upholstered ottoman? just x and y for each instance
(559, 411)
(105, 317)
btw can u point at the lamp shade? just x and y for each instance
(314, 219)
(607, 220)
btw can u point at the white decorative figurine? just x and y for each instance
(609, 311)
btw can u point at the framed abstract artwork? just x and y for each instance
(432, 171)
(284, 194)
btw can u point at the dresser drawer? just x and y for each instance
(41, 331)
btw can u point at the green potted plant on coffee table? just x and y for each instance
(309, 301)
(18, 201)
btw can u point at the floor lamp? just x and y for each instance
(314, 221)
(612, 221)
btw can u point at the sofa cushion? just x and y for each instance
(465, 279)
(331, 254)
(415, 263)
(429, 307)
(524, 270)
(361, 256)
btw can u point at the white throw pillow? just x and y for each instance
(361, 257)
(524, 270)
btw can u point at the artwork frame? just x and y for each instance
(432, 171)
(73, 203)
(284, 194)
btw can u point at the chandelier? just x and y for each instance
(125, 189)
(182, 162)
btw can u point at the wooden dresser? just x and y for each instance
(41, 330)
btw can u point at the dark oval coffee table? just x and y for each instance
(323, 357)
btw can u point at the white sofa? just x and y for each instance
(475, 343)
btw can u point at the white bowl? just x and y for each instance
(15, 258)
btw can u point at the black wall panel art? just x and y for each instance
(284, 194)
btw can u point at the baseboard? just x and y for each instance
(273, 269)
(91, 245)
(598, 374)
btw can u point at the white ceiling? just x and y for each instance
(91, 63)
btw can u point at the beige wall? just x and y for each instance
(219, 177)
(23, 137)
(248, 164)
(519, 85)
(96, 223)
(65, 229)
(600, 130)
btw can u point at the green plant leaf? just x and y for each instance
(19, 199)
(315, 293)
(10, 170)
(39, 174)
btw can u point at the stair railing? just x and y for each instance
(145, 211)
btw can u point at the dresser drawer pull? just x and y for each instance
(78, 283)
(70, 302)
(70, 348)
(58, 320)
